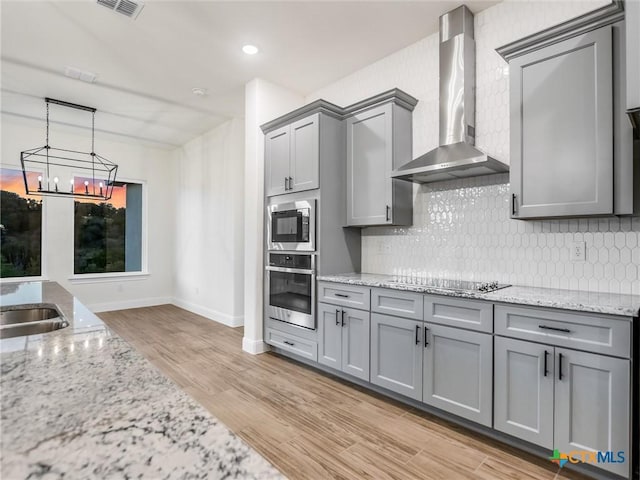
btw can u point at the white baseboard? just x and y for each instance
(254, 347)
(125, 304)
(209, 313)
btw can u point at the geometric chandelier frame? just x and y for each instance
(59, 165)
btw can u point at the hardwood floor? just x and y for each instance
(308, 424)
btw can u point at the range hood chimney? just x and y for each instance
(456, 156)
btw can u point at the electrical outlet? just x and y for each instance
(578, 252)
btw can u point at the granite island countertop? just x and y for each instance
(80, 402)
(593, 302)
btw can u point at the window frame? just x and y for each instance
(79, 278)
(43, 232)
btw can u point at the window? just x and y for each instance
(20, 226)
(108, 235)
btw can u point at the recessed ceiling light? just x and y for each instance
(201, 92)
(250, 49)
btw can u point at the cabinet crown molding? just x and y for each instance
(593, 20)
(394, 95)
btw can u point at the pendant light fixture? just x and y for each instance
(60, 169)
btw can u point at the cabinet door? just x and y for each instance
(562, 128)
(276, 156)
(592, 406)
(355, 343)
(330, 335)
(369, 165)
(396, 354)
(523, 390)
(305, 154)
(458, 371)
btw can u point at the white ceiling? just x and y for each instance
(147, 67)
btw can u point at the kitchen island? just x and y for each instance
(80, 402)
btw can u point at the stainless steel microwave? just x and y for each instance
(292, 226)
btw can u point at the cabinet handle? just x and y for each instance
(337, 321)
(426, 341)
(290, 183)
(545, 327)
(289, 343)
(417, 334)
(286, 183)
(343, 318)
(388, 217)
(513, 204)
(341, 295)
(546, 368)
(559, 366)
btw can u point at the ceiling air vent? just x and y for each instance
(130, 8)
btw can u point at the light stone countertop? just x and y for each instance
(80, 403)
(593, 302)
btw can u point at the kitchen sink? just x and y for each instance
(30, 321)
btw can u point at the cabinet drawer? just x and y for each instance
(394, 302)
(594, 333)
(291, 343)
(352, 296)
(459, 312)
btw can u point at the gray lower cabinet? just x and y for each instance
(292, 155)
(396, 354)
(561, 121)
(344, 339)
(592, 405)
(378, 140)
(458, 372)
(563, 399)
(524, 390)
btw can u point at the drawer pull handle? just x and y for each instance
(545, 327)
(337, 321)
(417, 334)
(289, 343)
(559, 366)
(341, 295)
(546, 367)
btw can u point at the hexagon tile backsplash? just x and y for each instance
(462, 230)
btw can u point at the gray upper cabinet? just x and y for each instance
(277, 154)
(592, 406)
(292, 156)
(561, 120)
(344, 339)
(378, 140)
(396, 354)
(458, 372)
(305, 154)
(524, 390)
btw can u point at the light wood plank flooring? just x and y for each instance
(306, 423)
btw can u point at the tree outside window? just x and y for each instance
(108, 235)
(20, 226)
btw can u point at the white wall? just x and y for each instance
(135, 162)
(462, 228)
(209, 269)
(264, 101)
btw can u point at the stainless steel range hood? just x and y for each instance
(456, 156)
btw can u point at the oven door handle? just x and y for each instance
(290, 270)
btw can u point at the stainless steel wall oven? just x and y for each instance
(291, 288)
